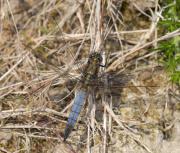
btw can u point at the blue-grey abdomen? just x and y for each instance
(79, 100)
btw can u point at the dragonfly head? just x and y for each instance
(96, 57)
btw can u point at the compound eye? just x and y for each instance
(91, 56)
(96, 56)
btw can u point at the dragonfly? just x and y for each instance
(89, 75)
(88, 80)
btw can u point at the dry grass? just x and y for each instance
(44, 45)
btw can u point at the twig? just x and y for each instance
(137, 49)
(24, 111)
(13, 67)
(85, 36)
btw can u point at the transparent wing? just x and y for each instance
(112, 81)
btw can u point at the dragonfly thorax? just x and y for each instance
(91, 69)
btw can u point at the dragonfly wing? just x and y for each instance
(79, 100)
(111, 81)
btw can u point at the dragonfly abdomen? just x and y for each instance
(90, 73)
(79, 100)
